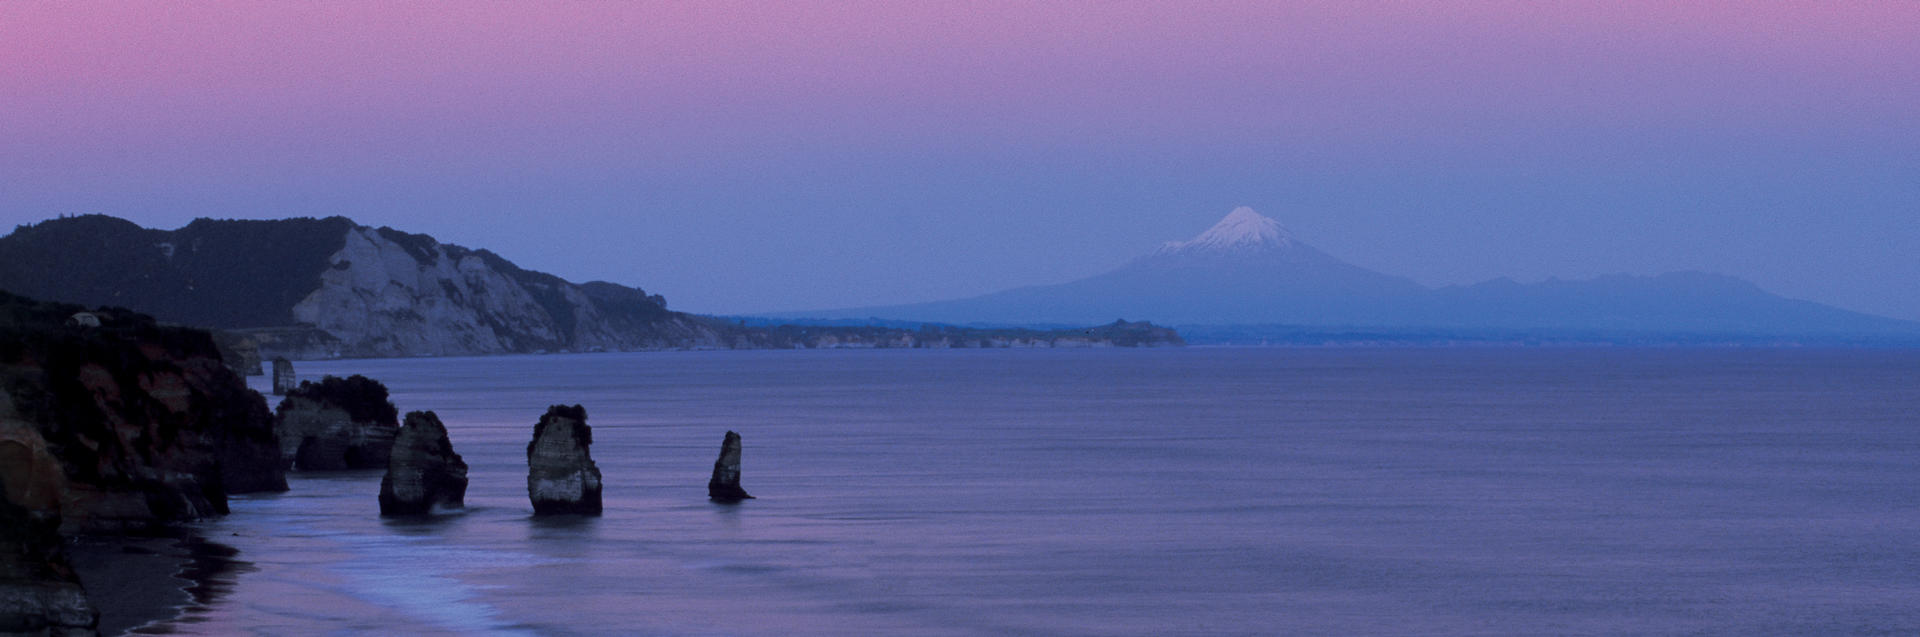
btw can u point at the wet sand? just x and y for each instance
(145, 585)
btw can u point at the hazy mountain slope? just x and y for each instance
(1694, 302)
(1245, 269)
(1248, 270)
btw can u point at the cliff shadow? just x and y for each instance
(153, 584)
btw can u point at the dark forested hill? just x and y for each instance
(211, 273)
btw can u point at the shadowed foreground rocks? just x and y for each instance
(337, 423)
(424, 473)
(39, 592)
(725, 484)
(109, 423)
(561, 476)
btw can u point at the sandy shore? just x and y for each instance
(149, 582)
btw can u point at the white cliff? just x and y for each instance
(379, 297)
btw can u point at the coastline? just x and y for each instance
(140, 584)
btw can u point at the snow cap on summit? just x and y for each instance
(1241, 229)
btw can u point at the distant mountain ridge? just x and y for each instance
(325, 288)
(1250, 270)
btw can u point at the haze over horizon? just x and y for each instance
(742, 159)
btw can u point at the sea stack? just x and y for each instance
(283, 381)
(561, 476)
(337, 423)
(424, 473)
(725, 485)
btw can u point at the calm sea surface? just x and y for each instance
(1129, 492)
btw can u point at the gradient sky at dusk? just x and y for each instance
(777, 156)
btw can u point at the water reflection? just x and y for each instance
(211, 570)
(157, 584)
(436, 523)
(562, 526)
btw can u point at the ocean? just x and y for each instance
(1197, 491)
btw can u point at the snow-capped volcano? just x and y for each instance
(1243, 229)
(1249, 270)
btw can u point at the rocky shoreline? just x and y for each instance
(111, 423)
(150, 582)
(114, 429)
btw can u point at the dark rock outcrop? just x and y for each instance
(424, 473)
(248, 447)
(561, 476)
(283, 378)
(39, 592)
(109, 425)
(240, 351)
(725, 484)
(337, 423)
(148, 424)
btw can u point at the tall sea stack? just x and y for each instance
(561, 476)
(424, 472)
(283, 379)
(725, 484)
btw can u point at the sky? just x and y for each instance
(741, 157)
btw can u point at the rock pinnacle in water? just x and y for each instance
(423, 472)
(725, 485)
(561, 476)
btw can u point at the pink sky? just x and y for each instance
(444, 75)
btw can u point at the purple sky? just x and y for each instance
(769, 157)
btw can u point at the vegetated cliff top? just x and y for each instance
(210, 273)
(201, 427)
(28, 327)
(364, 399)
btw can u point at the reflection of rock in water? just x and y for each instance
(211, 570)
(153, 585)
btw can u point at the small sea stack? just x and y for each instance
(423, 473)
(725, 484)
(561, 476)
(337, 423)
(283, 379)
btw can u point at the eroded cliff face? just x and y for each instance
(561, 475)
(147, 422)
(382, 297)
(337, 423)
(110, 424)
(424, 474)
(39, 592)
